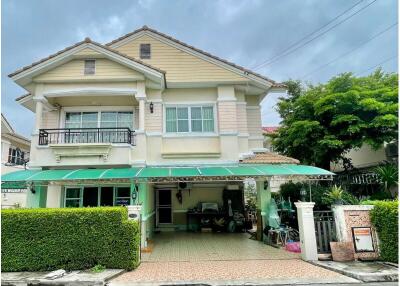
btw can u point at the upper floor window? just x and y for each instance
(103, 119)
(90, 67)
(189, 119)
(16, 156)
(145, 51)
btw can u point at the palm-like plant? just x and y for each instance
(388, 175)
(334, 196)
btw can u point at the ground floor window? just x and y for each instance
(97, 196)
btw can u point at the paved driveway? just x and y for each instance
(214, 258)
(211, 247)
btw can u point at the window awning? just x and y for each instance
(259, 170)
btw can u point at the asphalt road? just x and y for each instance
(355, 284)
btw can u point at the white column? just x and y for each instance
(142, 106)
(141, 97)
(308, 242)
(39, 114)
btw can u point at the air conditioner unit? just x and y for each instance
(184, 186)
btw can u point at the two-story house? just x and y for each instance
(145, 119)
(14, 156)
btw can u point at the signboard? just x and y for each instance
(362, 237)
(13, 191)
(122, 201)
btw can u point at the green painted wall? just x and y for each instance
(37, 199)
(263, 200)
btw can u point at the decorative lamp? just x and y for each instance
(151, 107)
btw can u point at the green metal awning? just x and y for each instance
(245, 170)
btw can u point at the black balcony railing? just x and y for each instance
(86, 135)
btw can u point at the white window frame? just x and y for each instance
(84, 67)
(97, 109)
(189, 106)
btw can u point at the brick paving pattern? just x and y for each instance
(219, 257)
(211, 246)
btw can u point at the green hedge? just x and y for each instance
(68, 238)
(384, 217)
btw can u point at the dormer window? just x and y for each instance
(145, 51)
(90, 67)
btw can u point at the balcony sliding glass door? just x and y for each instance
(98, 127)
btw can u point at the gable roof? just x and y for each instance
(7, 124)
(10, 132)
(85, 41)
(269, 158)
(246, 71)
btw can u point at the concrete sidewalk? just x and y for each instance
(81, 278)
(364, 271)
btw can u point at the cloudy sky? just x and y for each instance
(248, 33)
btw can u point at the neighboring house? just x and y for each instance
(366, 157)
(14, 155)
(149, 120)
(267, 132)
(363, 161)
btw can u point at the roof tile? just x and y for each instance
(269, 158)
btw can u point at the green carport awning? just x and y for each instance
(244, 170)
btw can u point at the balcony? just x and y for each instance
(86, 135)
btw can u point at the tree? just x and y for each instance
(322, 122)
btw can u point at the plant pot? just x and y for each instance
(342, 251)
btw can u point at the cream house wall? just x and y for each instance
(51, 119)
(74, 70)
(179, 65)
(236, 115)
(237, 127)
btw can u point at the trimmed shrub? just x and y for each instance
(384, 217)
(68, 238)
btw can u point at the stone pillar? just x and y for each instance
(308, 241)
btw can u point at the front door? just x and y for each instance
(163, 207)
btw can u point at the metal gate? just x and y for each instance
(325, 230)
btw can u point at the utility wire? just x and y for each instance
(381, 63)
(349, 52)
(288, 51)
(312, 33)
